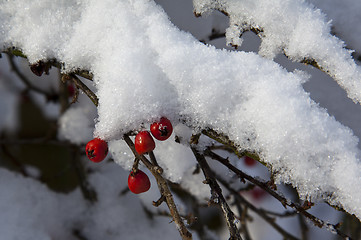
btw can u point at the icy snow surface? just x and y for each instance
(144, 68)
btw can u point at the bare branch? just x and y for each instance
(265, 186)
(217, 194)
(260, 212)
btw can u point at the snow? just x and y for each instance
(35, 212)
(293, 27)
(345, 19)
(144, 68)
(32, 211)
(77, 124)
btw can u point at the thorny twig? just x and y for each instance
(217, 194)
(243, 220)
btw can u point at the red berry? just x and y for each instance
(258, 193)
(144, 142)
(162, 130)
(38, 68)
(249, 161)
(71, 90)
(138, 182)
(96, 150)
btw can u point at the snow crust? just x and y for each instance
(144, 68)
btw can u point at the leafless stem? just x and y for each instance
(265, 186)
(217, 194)
(260, 212)
(242, 212)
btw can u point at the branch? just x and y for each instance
(26, 81)
(164, 190)
(243, 215)
(260, 212)
(231, 145)
(53, 62)
(217, 193)
(265, 186)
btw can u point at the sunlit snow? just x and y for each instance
(144, 68)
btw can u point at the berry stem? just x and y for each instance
(135, 165)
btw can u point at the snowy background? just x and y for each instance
(303, 123)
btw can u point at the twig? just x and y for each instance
(284, 214)
(265, 186)
(15, 161)
(29, 85)
(153, 159)
(217, 193)
(260, 212)
(79, 84)
(243, 215)
(164, 190)
(159, 201)
(231, 145)
(18, 53)
(194, 219)
(63, 96)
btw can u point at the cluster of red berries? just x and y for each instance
(138, 181)
(160, 130)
